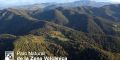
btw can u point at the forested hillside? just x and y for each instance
(80, 33)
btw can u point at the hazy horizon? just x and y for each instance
(6, 3)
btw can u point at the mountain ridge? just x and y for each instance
(82, 32)
(55, 5)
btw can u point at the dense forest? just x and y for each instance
(80, 33)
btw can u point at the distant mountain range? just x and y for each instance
(67, 5)
(81, 31)
(83, 3)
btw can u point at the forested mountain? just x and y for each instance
(80, 33)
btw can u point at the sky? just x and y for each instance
(4, 3)
(115, 1)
